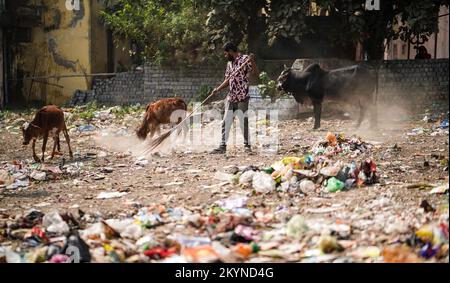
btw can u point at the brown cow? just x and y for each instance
(48, 120)
(160, 112)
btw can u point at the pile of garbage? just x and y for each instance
(307, 172)
(338, 144)
(226, 231)
(439, 125)
(21, 174)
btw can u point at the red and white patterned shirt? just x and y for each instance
(239, 82)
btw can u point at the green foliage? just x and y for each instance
(122, 111)
(203, 92)
(87, 112)
(395, 19)
(267, 86)
(160, 31)
(287, 19)
(189, 31)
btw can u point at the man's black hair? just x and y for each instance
(229, 46)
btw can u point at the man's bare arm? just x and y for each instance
(222, 86)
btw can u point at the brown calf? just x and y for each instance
(163, 111)
(48, 120)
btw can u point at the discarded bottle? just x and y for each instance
(334, 185)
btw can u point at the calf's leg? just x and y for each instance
(44, 145)
(59, 144)
(35, 157)
(66, 136)
(55, 143)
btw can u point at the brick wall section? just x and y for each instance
(417, 81)
(183, 82)
(423, 80)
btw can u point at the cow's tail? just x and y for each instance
(143, 130)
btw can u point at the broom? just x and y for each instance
(159, 140)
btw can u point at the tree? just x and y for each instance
(352, 22)
(348, 20)
(189, 30)
(160, 31)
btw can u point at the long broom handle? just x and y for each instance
(212, 93)
(195, 110)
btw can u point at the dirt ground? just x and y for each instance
(379, 215)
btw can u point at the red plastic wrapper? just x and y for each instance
(159, 253)
(36, 231)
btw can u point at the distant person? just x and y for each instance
(422, 53)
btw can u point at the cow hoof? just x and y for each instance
(37, 159)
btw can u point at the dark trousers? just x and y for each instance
(231, 109)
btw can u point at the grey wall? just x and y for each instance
(423, 80)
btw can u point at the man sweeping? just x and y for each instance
(237, 74)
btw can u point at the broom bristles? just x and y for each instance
(159, 140)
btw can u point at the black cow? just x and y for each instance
(354, 84)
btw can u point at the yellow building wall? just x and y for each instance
(59, 47)
(68, 42)
(99, 50)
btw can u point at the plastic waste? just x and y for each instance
(245, 250)
(201, 254)
(444, 124)
(296, 227)
(192, 241)
(12, 257)
(331, 139)
(334, 185)
(246, 232)
(225, 177)
(330, 171)
(109, 195)
(77, 249)
(263, 183)
(148, 218)
(328, 244)
(246, 177)
(233, 202)
(307, 185)
(59, 258)
(55, 224)
(349, 183)
(440, 189)
(159, 253)
(38, 176)
(18, 184)
(86, 128)
(399, 254)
